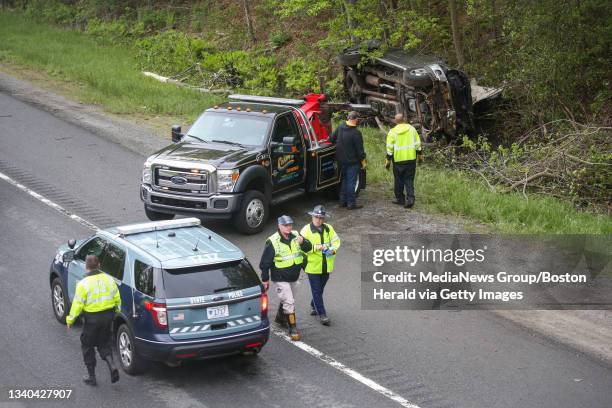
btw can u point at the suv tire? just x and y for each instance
(157, 216)
(129, 359)
(59, 300)
(350, 58)
(253, 213)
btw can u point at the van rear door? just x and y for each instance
(212, 300)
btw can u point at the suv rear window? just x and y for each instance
(209, 279)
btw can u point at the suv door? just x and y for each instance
(113, 263)
(287, 153)
(76, 268)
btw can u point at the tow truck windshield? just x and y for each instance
(230, 128)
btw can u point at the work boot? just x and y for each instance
(325, 321)
(90, 378)
(354, 206)
(114, 373)
(293, 331)
(313, 312)
(398, 202)
(280, 318)
(409, 203)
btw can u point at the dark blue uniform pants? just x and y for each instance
(317, 285)
(403, 174)
(96, 334)
(349, 174)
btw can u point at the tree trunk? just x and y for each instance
(452, 7)
(249, 21)
(347, 4)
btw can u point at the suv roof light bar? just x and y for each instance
(158, 226)
(267, 99)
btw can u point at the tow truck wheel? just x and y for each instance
(59, 301)
(130, 361)
(157, 216)
(253, 213)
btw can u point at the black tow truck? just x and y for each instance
(241, 157)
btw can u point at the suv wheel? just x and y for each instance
(253, 213)
(157, 216)
(59, 301)
(130, 361)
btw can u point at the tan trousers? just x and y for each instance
(286, 292)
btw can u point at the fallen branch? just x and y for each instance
(184, 85)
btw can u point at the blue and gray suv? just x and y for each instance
(186, 292)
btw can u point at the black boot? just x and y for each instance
(114, 373)
(280, 318)
(90, 378)
(293, 331)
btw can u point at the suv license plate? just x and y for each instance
(217, 312)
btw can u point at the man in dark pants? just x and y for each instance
(98, 297)
(320, 259)
(403, 143)
(282, 260)
(350, 156)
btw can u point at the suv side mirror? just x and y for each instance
(71, 243)
(176, 133)
(67, 256)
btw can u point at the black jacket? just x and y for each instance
(349, 144)
(290, 274)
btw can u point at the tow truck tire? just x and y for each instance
(253, 213)
(59, 300)
(157, 216)
(129, 359)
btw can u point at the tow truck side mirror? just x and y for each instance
(176, 133)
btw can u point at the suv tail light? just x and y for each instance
(264, 305)
(158, 311)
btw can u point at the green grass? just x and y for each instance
(103, 75)
(454, 193)
(108, 76)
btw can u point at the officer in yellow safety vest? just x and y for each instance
(98, 297)
(320, 259)
(282, 261)
(403, 144)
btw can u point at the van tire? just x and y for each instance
(253, 213)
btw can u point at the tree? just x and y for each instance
(452, 7)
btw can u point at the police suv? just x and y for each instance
(186, 292)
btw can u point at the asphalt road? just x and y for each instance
(431, 358)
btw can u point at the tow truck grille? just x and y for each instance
(181, 181)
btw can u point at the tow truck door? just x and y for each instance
(321, 159)
(287, 154)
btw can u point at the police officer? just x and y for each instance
(98, 297)
(282, 259)
(403, 143)
(320, 259)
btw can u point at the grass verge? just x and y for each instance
(105, 75)
(108, 76)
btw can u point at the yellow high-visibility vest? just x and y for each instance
(285, 255)
(403, 141)
(94, 293)
(315, 258)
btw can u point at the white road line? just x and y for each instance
(299, 344)
(346, 370)
(48, 202)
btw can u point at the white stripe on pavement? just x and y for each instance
(299, 344)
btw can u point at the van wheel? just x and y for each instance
(157, 216)
(129, 359)
(59, 300)
(253, 213)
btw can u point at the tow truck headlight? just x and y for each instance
(146, 172)
(226, 179)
